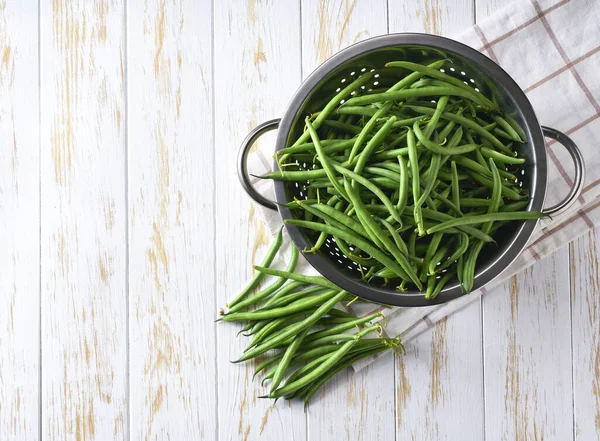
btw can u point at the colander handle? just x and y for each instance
(243, 162)
(577, 157)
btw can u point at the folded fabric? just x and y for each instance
(552, 50)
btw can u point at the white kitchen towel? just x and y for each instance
(552, 50)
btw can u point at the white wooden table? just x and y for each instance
(123, 229)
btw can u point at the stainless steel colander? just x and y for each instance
(464, 63)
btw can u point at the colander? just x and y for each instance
(463, 62)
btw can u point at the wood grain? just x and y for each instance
(83, 212)
(19, 222)
(354, 406)
(527, 354)
(441, 17)
(171, 220)
(585, 299)
(528, 385)
(130, 218)
(439, 383)
(256, 71)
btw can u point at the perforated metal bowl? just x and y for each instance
(463, 62)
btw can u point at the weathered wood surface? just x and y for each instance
(19, 223)
(83, 220)
(124, 229)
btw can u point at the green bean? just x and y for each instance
(342, 218)
(441, 104)
(322, 237)
(272, 326)
(303, 175)
(400, 244)
(329, 146)
(430, 286)
(434, 262)
(410, 93)
(498, 131)
(443, 217)
(477, 167)
(465, 122)
(495, 200)
(412, 240)
(435, 73)
(293, 330)
(363, 214)
(431, 250)
(440, 285)
(369, 185)
(290, 387)
(341, 327)
(323, 159)
(406, 122)
(507, 192)
(373, 143)
(416, 186)
(292, 297)
(411, 78)
(271, 288)
(446, 131)
(403, 185)
(475, 202)
(274, 312)
(315, 280)
(258, 276)
(436, 148)
(374, 252)
(455, 186)
(333, 103)
(515, 206)
(361, 346)
(383, 171)
(441, 198)
(463, 245)
(431, 179)
(369, 126)
(307, 368)
(283, 291)
(357, 110)
(517, 128)
(298, 358)
(341, 127)
(479, 219)
(497, 156)
(343, 364)
(343, 246)
(330, 220)
(287, 358)
(376, 181)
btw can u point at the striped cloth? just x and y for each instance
(552, 50)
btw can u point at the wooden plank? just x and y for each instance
(19, 222)
(585, 299)
(528, 384)
(257, 69)
(354, 406)
(171, 220)
(440, 17)
(83, 212)
(439, 383)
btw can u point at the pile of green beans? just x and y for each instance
(411, 180)
(301, 334)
